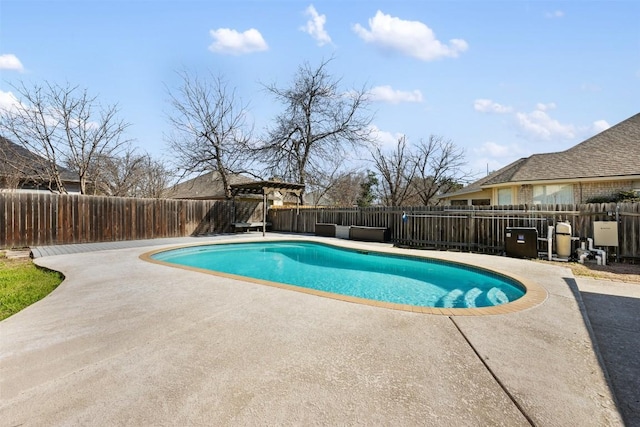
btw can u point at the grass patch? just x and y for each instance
(22, 283)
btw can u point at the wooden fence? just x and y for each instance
(30, 219)
(473, 228)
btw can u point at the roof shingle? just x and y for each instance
(206, 186)
(17, 160)
(612, 153)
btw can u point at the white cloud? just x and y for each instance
(599, 126)
(539, 125)
(486, 165)
(493, 156)
(384, 139)
(585, 132)
(534, 125)
(488, 106)
(9, 61)
(315, 26)
(544, 107)
(555, 14)
(232, 42)
(388, 94)
(8, 101)
(495, 150)
(412, 38)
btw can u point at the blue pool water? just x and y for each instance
(370, 275)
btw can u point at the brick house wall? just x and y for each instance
(525, 194)
(585, 191)
(582, 191)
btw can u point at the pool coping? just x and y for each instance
(534, 293)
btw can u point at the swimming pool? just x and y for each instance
(365, 275)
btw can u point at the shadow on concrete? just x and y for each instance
(615, 326)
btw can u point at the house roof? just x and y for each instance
(262, 187)
(15, 159)
(614, 152)
(499, 176)
(206, 186)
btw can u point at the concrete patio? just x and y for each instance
(123, 341)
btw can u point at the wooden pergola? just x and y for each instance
(265, 188)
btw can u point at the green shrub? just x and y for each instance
(619, 197)
(628, 196)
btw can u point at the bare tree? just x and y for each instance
(321, 184)
(156, 178)
(352, 188)
(114, 175)
(416, 174)
(210, 128)
(439, 164)
(319, 124)
(65, 126)
(345, 189)
(397, 170)
(130, 175)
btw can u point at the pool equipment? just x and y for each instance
(601, 256)
(604, 231)
(521, 242)
(563, 240)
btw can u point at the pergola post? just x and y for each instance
(264, 188)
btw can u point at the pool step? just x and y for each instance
(449, 300)
(472, 298)
(497, 297)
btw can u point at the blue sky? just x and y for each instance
(501, 79)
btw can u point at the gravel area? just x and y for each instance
(619, 272)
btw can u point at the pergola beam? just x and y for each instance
(264, 188)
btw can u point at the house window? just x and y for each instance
(552, 194)
(481, 202)
(504, 196)
(459, 203)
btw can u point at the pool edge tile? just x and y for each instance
(534, 293)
